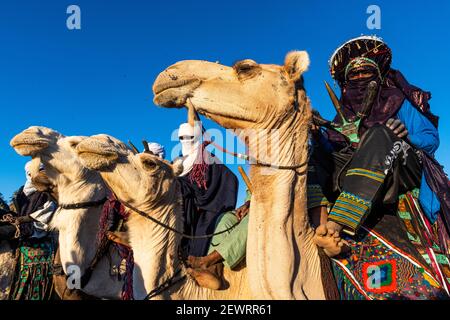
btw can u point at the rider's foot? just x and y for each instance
(329, 240)
(204, 262)
(210, 278)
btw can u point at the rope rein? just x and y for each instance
(166, 285)
(101, 250)
(252, 160)
(170, 282)
(8, 218)
(184, 235)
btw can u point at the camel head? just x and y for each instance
(246, 95)
(56, 151)
(142, 180)
(34, 140)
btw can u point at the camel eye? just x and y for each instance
(149, 164)
(244, 66)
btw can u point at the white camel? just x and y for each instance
(77, 227)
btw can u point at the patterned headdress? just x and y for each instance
(358, 52)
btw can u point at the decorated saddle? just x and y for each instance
(403, 257)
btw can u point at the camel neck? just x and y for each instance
(155, 247)
(78, 228)
(279, 226)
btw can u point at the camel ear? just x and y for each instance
(74, 141)
(296, 63)
(177, 166)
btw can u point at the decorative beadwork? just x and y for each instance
(377, 176)
(375, 268)
(360, 62)
(316, 197)
(349, 210)
(397, 148)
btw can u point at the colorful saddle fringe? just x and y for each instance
(375, 268)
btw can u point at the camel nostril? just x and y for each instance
(74, 144)
(173, 77)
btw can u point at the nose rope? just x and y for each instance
(252, 160)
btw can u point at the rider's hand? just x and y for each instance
(242, 211)
(397, 127)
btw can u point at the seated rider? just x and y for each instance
(34, 224)
(36, 243)
(353, 170)
(228, 248)
(209, 190)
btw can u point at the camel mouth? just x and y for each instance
(161, 86)
(27, 146)
(95, 158)
(173, 93)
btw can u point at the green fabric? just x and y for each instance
(231, 245)
(35, 273)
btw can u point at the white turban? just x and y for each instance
(192, 146)
(157, 149)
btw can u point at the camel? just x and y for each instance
(149, 185)
(77, 227)
(262, 103)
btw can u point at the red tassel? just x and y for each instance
(198, 174)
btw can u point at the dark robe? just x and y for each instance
(25, 205)
(203, 207)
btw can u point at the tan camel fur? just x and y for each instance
(266, 105)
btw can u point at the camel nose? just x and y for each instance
(173, 77)
(165, 79)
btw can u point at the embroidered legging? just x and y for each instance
(380, 167)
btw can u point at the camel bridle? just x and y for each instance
(83, 205)
(100, 252)
(252, 160)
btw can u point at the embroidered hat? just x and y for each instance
(357, 52)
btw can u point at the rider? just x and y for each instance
(209, 191)
(228, 248)
(36, 244)
(350, 175)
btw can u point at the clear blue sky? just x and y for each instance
(98, 79)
